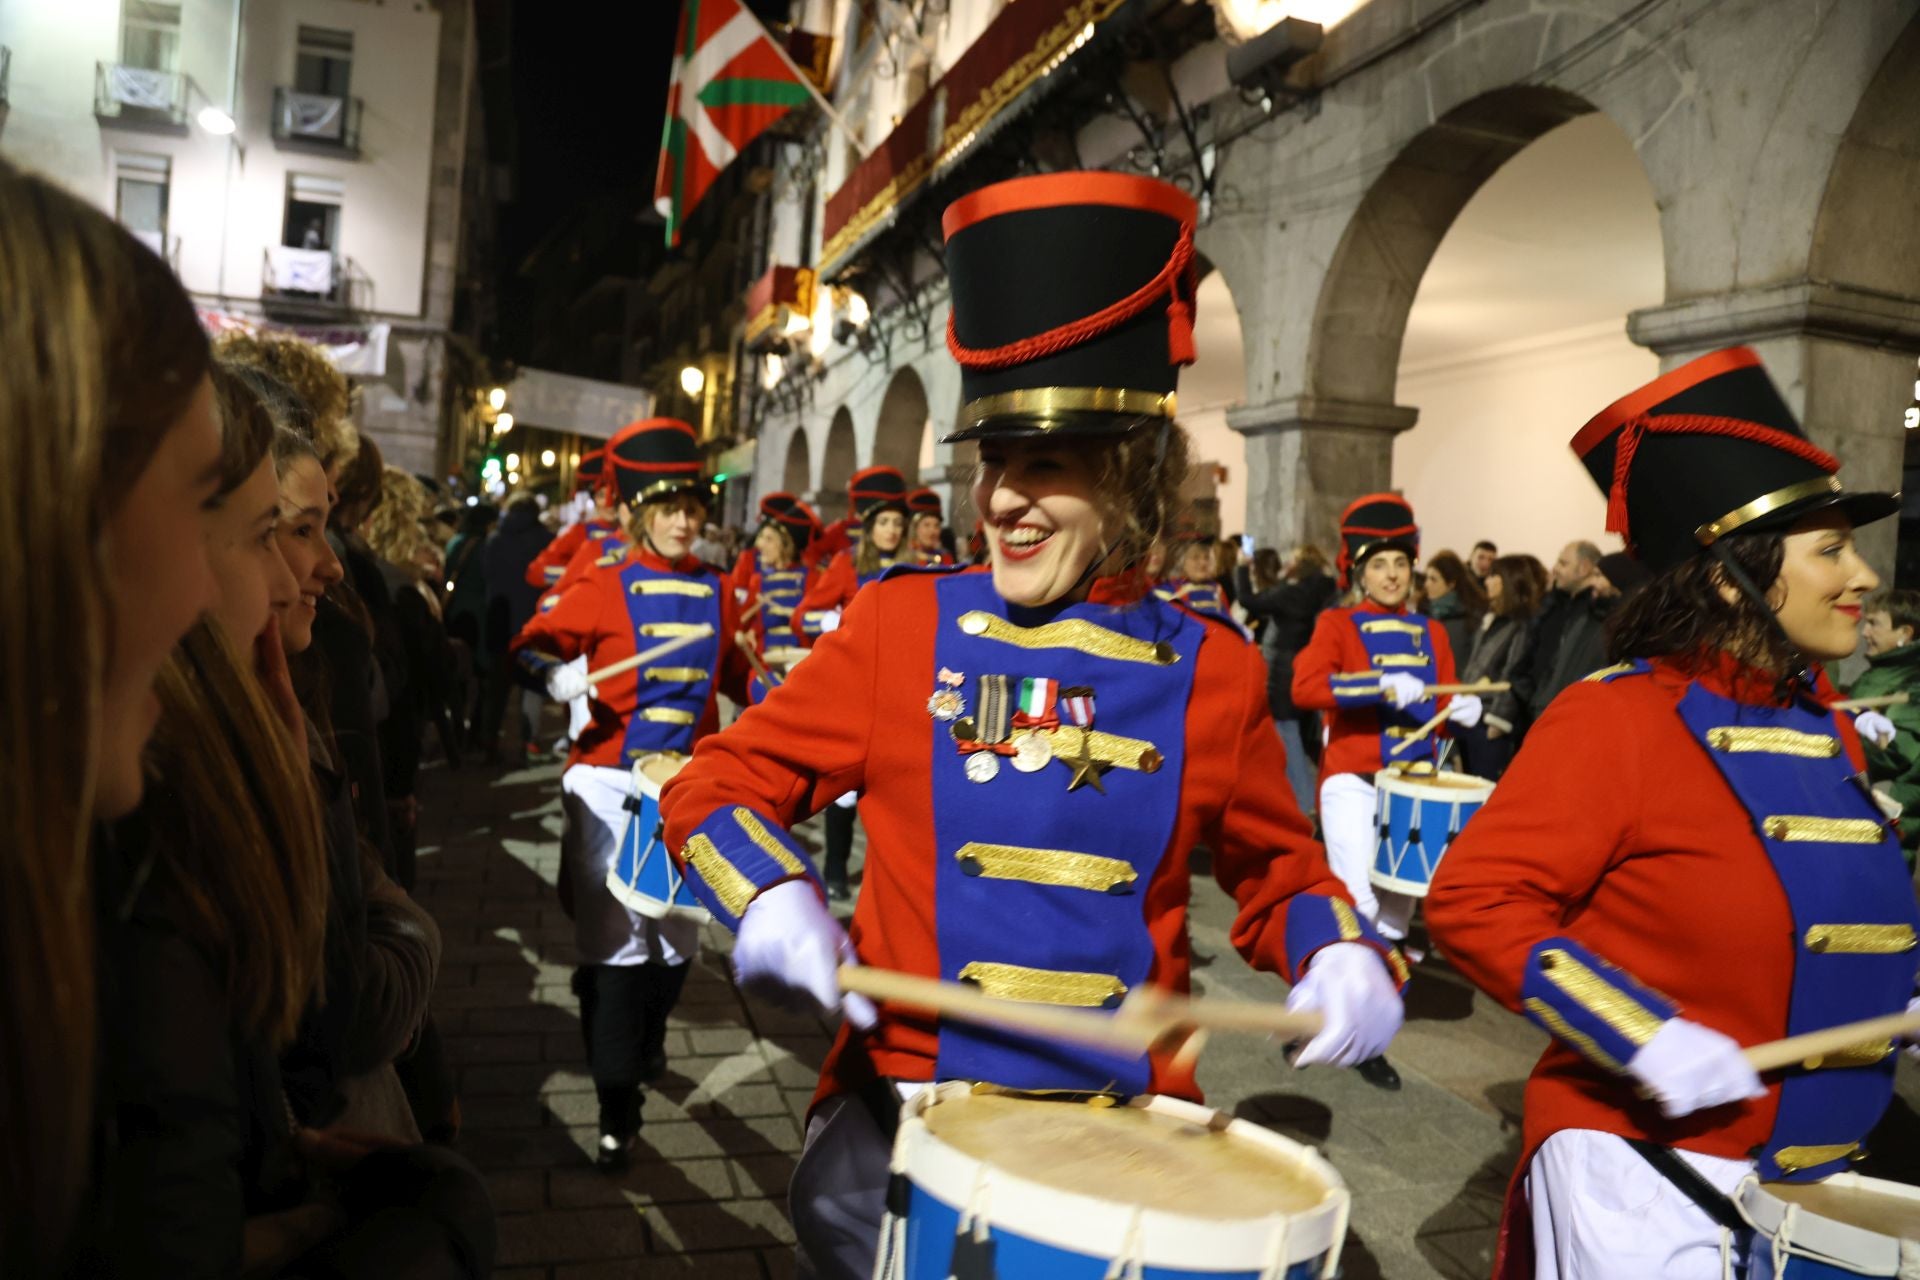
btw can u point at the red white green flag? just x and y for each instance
(730, 84)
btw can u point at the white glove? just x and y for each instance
(829, 621)
(566, 683)
(1874, 727)
(1912, 1038)
(1465, 710)
(1689, 1068)
(1349, 984)
(1402, 690)
(788, 949)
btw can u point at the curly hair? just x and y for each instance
(1682, 616)
(1139, 478)
(394, 530)
(305, 371)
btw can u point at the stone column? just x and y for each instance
(1843, 357)
(1307, 458)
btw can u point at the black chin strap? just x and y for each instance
(1796, 673)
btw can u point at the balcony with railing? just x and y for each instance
(309, 283)
(316, 122)
(139, 97)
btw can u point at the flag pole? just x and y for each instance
(806, 81)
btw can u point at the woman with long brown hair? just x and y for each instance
(108, 449)
(1513, 590)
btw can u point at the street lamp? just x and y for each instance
(497, 399)
(503, 424)
(547, 457)
(216, 121)
(693, 380)
(513, 462)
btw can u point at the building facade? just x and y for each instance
(301, 163)
(1771, 149)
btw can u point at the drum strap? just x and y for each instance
(1712, 1201)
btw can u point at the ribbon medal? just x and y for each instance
(1037, 713)
(982, 739)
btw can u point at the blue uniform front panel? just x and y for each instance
(672, 693)
(1000, 917)
(1401, 642)
(1853, 911)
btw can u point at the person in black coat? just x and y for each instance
(1569, 642)
(511, 601)
(1286, 611)
(1513, 586)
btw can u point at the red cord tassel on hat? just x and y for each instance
(1638, 428)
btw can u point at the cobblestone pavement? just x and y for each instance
(706, 1197)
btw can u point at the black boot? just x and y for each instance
(839, 849)
(619, 1125)
(1379, 1073)
(613, 1021)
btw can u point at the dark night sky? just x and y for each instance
(589, 90)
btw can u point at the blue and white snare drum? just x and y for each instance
(1839, 1228)
(1418, 815)
(779, 660)
(1023, 1188)
(643, 876)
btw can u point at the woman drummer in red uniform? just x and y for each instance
(925, 521)
(772, 573)
(550, 565)
(650, 591)
(1683, 859)
(1039, 746)
(1367, 669)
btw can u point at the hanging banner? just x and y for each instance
(359, 351)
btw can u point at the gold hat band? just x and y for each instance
(1710, 532)
(1046, 404)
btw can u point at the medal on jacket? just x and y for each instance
(1076, 710)
(946, 702)
(982, 738)
(1037, 713)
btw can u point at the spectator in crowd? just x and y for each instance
(1890, 623)
(1454, 598)
(1285, 610)
(1481, 559)
(108, 449)
(1569, 641)
(466, 613)
(1513, 587)
(510, 602)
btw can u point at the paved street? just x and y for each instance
(706, 1197)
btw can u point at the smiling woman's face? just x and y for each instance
(305, 499)
(1821, 584)
(1044, 526)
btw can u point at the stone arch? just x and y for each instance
(798, 473)
(1212, 386)
(838, 462)
(900, 434)
(1353, 353)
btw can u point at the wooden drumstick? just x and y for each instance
(1478, 686)
(1871, 704)
(748, 615)
(1775, 1054)
(968, 1004)
(1420, 733)
(658, 651)
(767, 678)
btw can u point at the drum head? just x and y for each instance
(1450, 787)
(650, 773)
(1883, 1208)
(1129, 1154)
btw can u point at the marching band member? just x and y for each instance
(1039, 746)
(845, 533)
(1367, 668)
(879, 496)
(1682, 859)
(1195, 583)
(772, 570)
(925, 520)
(632, 967)
(600, 524)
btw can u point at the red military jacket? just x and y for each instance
(781, 590)
(1618, 847)
(547, 567)
(952, 875)
(1337, 674)
(841, 535)
(829, 589)
(613, 608)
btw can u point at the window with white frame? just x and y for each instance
(323, 62)
(140, 196)
(150, 35)
(313, 212)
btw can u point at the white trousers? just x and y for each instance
(605, 929)
(1347, 820)
(1601, 1212)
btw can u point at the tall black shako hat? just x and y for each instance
(1378, 522)
(1072, 303)
(877, 489)
(1708, 450)
(791, 514)
(654, 459)
(924, 502)
(591, 472)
